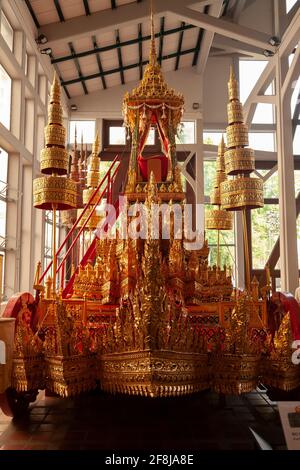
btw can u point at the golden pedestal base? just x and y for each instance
(233, 374)
(154, 374)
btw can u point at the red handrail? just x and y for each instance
(86, 221)
(81, 215)
(89, 254)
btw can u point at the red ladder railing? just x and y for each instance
(103, 189)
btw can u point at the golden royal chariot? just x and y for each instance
(146, 315)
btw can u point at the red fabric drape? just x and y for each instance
(164, 159)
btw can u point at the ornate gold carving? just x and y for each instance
(218, 220)
(243, 192)
(49, 190)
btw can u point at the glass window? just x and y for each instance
(270, 90)
(212, 138)
(48, 236)
(7, 31)
(186, 133)
(262, 141)
(3, 181)
(5, 97)
(297, 183)
(226, 245)
(250, 71)
(289, 4)
(271, 189)
(265, 231)
(86, 128)
(209, 176)
(3, 209)
(117, 135)
(264, 114)
(296, 92)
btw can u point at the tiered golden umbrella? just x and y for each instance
(92, 182)
(241, 192)
(55, 191)
(69, 217)
(218, 219)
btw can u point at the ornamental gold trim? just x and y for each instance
(54, 160)
(218, 220)
(239, 160)
(242, 193)
(54, 190)
(237, 135)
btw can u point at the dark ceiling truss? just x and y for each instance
(140, 36)
(121, 44)
(161, 38)
(199, 40)
(120, 57)
(86, 7)
(59, 10)
(179, 46)
(33, 16)
(77, 65)
(99, 63)
(125, 67)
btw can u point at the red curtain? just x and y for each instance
(164, 159)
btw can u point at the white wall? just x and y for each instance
(108, 103)
(215, 94)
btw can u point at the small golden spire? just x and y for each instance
(153, 56)
(233, 88)
(55, 90)
(96, 145)
(221, 147)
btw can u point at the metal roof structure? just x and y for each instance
(111, 43)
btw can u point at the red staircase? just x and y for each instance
(69, 250)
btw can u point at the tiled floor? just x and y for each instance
(105, 422)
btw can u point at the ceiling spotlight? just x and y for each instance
(274, 41)
(268, 53)
(73, 107)
(41, 39)
(47, 51)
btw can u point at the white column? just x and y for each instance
(199, 187)
(287, 204)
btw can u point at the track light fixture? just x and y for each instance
(47, 51)
(274, 41)
(268, 53)
(41, 39)
(73, 107)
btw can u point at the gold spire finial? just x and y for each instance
(96, 145)
(232, 76)
(221, 147)
(55, 90)
(153, 57)
(233, 88)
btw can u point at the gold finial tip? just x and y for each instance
(96, 145)
(232, 75)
